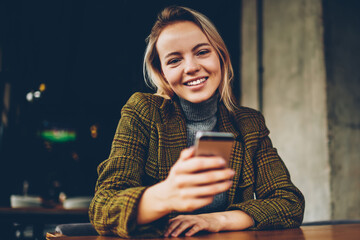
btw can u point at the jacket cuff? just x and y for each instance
(257, 214)
(127, 223)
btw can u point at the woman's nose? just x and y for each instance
(191, 66)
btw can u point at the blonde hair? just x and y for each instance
(152, 67)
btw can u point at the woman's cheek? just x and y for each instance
(172, 77)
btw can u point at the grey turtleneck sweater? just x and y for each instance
(199, 116)
(202, 117)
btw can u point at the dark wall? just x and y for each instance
(89, 54)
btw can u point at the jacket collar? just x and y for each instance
(171, 113)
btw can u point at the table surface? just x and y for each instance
(328, 232)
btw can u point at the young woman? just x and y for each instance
(152, 184)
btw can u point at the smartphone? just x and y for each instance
(214, 144)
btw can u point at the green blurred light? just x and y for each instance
(58, 135)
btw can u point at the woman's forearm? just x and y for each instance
(234, 220)
(151, 206)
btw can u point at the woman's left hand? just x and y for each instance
(192, 223)
(233, 220)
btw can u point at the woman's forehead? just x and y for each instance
(180, 36)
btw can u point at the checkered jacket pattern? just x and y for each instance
(149, 138)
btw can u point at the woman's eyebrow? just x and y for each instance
(199, 45)
(171, 54)
(193, 49)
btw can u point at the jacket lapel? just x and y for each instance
(226, 124)
(172, 136)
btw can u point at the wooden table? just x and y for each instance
(38, 217)
(328, 232)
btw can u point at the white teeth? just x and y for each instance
(196, 82)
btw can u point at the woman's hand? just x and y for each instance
(192, 223)
(212, 222)
(194, 181)
(191, 184)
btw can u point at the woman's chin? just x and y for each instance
(199, 98)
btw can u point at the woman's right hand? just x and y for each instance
(191, 184)
(194, 181)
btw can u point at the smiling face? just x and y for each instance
(189, 63)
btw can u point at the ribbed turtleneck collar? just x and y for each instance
(200, 111)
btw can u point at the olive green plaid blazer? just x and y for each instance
(148, 141)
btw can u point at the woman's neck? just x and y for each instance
(198, 112)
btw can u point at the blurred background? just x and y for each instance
(68, 67)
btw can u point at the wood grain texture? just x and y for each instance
(325, 232)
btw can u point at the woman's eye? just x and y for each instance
(173, 61)
(203, 52)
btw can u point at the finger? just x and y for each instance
(177, 218)
(199, 164)
(174, 223)
(195, 229)
(189, 205)
(187, 153)
(182, 227)
(205, 190)
(203, 178)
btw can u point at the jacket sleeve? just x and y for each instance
(278, 203)
(119, 187)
